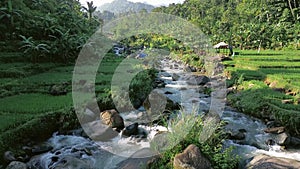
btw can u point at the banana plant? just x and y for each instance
(35, 50)
(10, 13)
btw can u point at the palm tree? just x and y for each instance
(90, 9)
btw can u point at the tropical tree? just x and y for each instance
(90, 9)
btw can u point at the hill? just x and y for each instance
(124, 6)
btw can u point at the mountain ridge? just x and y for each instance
(124, 6)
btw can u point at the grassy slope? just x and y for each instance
(27, 106)
(251, 72)
(25, 97)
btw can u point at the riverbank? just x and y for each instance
(266, 85)
(175, 88)
(36, 99)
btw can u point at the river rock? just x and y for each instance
(236, 135)
(283, 139)
(270, 142)
(113, 119)
(197, 80)
(132, 129)
(99, 131)
(275, 130)
(72, 162)
(40, 149)
(9, 156)
(191, 158)
(189, 68)
(295, 142)
(175, 77)
(159, 83)
(267, 162)
(156, 103)
(16, 165)
(165, 74)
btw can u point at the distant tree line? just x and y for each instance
(246, 24)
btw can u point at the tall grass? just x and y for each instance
(189, 128)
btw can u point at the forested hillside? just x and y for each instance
(244, 23)
(56, 28)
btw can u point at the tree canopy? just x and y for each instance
(60, 25)
(244, 23)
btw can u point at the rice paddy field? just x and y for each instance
(267, 82)
(282, 67)
(25, 87)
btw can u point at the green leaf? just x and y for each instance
(9, 3)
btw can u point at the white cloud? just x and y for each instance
(151, 2)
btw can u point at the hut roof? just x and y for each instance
(221, 45)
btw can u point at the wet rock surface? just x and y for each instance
(267, 162)
(113, 119)
(191, 158)
(16, 165)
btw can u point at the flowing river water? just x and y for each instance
(76, 151)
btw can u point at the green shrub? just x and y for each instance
(263, 102)
(188, 129)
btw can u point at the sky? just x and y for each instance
(151, 2)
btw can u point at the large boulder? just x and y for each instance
(16, 165)
(156, 104)
(197, 80)
(9, 156)
(191, 158)
(236, 135)
(99, 131)
(132, 129)
(267, 162)
(113, 119)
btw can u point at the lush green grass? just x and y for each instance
(11, 120)
(25, 87)
(34, 103)
(252, 72)
(280, 66)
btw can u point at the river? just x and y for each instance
(76, 151)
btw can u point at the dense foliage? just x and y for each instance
(60, 25)
(244, 23)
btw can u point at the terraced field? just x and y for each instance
(25, 87)
(282, 67)
(268, 85)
